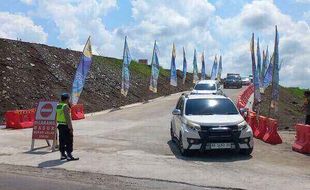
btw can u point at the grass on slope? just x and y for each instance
(141, 69)
(298, 92)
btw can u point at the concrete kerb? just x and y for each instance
(129, 105)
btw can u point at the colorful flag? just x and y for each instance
(259, 63)
(155, 69)
(214, 69)
(275, 73)
(173, 69)
(257, 96)
(265, 64)
(268, 74)
(81, 72)
(125, 69)
(184, 66)
(203, 67)
(219, 71)
(195, 68)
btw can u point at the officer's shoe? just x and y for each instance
(63, 157)
(71, 158)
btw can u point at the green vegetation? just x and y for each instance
(297, 91)
(135, 67)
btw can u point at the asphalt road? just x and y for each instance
(131, 149)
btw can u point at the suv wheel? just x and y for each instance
(246, 152)
(184, 152)
(172, 133)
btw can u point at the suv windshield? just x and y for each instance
(236, 77)
(205, 87)
(210, 107)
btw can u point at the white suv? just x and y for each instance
(205, 122)
(207, 87)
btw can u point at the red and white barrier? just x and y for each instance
(302, 138)
(77, 112)
(271, 136)
(20, 119)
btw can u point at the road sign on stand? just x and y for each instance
(45, 123)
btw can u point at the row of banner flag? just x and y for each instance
(155, 68)
(266, 72)
(86, 60)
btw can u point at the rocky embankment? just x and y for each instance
(30, 72)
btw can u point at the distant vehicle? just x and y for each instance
(246, 81)
(251, 78)
(207, 87)
(206, 122)
(233, 80)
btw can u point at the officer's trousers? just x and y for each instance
(65, 139)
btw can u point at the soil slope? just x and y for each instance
(30, 72)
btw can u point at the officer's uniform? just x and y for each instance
(65, 136)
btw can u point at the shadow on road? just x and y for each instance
(51, 163)
(208, 156)
(37, 151)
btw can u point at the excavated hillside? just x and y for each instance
(30, 72)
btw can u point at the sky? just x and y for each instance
(215, 27)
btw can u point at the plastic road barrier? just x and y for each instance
(20, 119)
(261, 127)
(251, 120)
(77, 112)
(302, 139)
(271, 136)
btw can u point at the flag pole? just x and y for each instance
(272, 79)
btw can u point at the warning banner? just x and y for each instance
(45, 120)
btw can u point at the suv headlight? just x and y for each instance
(193, 126)
(242, 125)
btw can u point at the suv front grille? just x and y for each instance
(219, 133)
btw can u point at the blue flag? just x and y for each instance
(257, 96)
(195, 68)
(203, 67)
(173, 69)
(214, 69)
(268, 74)
(125, 69)
(81, 72)
(155, 69)
(219, 71)
(184, 66)
(265, 64)
(259, 63)
(275, 73)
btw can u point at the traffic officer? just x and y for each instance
(307, 106)
(65, 128)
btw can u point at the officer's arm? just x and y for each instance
(68, 117)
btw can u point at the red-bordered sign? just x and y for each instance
(45, 120)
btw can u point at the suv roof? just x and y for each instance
(205, 96)
(206, 82)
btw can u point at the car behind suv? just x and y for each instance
(205, 122)
(207, 87)
(233, 81)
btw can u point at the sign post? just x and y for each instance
(45, 123)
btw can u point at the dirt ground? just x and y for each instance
(30, 72)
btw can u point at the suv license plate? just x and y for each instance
(220, 145)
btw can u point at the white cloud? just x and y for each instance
(78, 19)
(260, 17)
(15, 26)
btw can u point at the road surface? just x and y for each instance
(132, 148)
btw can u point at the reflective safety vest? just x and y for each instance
(60, 115)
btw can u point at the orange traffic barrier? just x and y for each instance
(20, 119)
(271, 136)
(252, 121)
(77, 112)
(261, 127)
(302, 138)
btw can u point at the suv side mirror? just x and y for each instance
(176, 112)
(244, 112)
